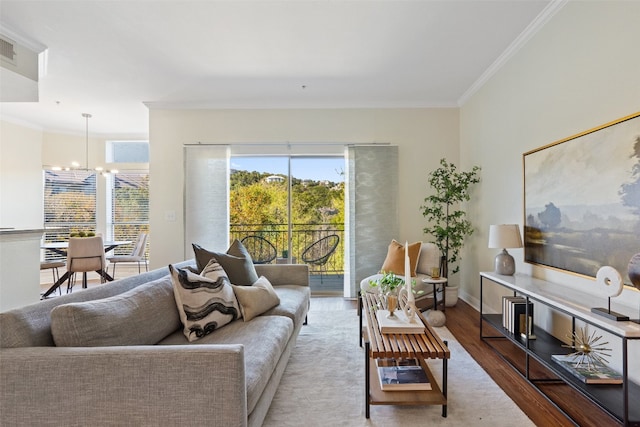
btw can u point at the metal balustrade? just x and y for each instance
(302, 236)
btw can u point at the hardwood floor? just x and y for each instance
(463, 322)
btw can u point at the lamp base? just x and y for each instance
(505, 264)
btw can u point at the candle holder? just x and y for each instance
(407, 306)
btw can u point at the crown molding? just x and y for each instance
(29, 43)
(532, 29)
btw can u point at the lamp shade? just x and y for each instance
(505, 236)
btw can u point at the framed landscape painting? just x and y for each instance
(582, 200)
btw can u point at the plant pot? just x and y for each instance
(451, 295)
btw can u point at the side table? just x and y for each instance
(435, 282)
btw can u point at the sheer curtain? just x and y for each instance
(371, 204)
(372, 210)
(206, 197)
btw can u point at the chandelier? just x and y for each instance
(76, 165)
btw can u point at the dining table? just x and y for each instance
(60, 248)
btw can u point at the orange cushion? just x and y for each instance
(394, 262)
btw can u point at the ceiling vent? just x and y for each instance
(7, 51)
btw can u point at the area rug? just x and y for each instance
(323, 385)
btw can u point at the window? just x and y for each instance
(127, 152)
(69, 204)
(128, 207)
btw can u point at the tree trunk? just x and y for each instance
(444, 267)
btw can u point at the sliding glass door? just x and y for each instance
(290, 196)
(290, 209)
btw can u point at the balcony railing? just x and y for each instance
(302, 236)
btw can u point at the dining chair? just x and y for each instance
(83, 255)
(138, 255)
(53, 266)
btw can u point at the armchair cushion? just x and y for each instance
(142, 316)
(429, 258)
(394, 262)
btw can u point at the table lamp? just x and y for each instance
(505, 236)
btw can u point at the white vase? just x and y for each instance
(451, 295)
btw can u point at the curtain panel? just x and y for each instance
(372, 210)
(206, 197)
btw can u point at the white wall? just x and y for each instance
(20, 176)
(569, 78)
(423, 135)
(580, 71)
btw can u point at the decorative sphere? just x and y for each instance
(435, 318)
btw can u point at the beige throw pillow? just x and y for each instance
(394, 262)
(256, 299)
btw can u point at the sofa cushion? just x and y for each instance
(394, 262)
(30, 326)
(294, 303)
(205, 301)
(142, 316)
(256, 299)
(237, 262)
(264, 338)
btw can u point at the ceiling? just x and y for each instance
(117, 59)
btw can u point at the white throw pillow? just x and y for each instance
(206, 302)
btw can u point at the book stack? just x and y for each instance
(514, 316)
(402, 375)
(598, 374)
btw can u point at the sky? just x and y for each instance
(315, 168)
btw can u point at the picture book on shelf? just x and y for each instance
(402, 375)
(601, 374)
(514, 319)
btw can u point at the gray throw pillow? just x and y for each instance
(236, 262)
(142, 316)
(206, 302)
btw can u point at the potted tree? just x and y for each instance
(446, 222)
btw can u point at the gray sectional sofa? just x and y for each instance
(147, 374)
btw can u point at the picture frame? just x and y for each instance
(582, 200)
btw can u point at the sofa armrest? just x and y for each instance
(284, 274)
(132, 385)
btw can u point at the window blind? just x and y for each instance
(69, 204)
(129, 206)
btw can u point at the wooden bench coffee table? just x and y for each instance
(407, 346)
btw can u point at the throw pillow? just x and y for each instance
(236, 262)
(394, 262)
(142, 316)
(256, 299)
(206, 302)
(429, 258)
